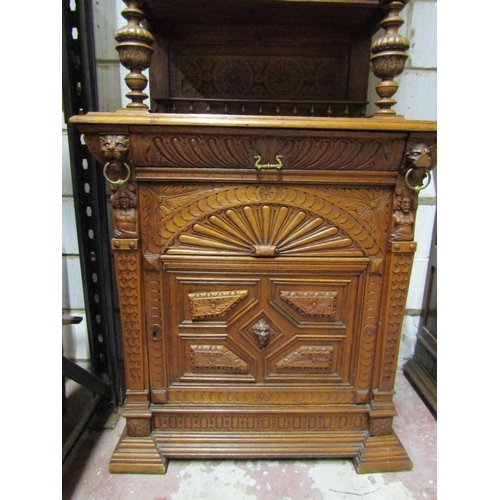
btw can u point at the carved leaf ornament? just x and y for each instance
(210, 304)
(262, 231)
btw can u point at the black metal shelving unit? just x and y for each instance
(80, 96)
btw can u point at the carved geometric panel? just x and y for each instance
(309, 357)
(311, 303)
(210, 304)
(216, 358)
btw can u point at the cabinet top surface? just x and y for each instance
(350, 15)
(131, 118)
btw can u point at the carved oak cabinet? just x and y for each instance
(262, 254)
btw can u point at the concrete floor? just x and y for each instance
(85, 475)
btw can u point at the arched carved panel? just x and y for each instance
(259, 219)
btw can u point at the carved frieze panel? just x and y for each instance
(216, 358)
(307, 357)
(311, 303)
(212, 304)
(257, 77)
(214, 150)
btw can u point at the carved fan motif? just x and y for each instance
(311, 303)
(208, 304)
(263, 231)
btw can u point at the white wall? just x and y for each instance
(416, 100)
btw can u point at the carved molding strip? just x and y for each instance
(216, 358)
(267, 396)
(307, 358)
(247, 421)
(311, 303)
(128, 279)
(400, 269)
(196, 150)
(369, 333)
(213, 304)
(154, 323)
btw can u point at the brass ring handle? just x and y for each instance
(119, 182)
(275, 166)
(417, 189)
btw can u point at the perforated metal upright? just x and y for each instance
(80, 96)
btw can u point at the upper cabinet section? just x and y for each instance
(261, 57)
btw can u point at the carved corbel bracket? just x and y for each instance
(420, 161)
(415, 175)
(114, 152)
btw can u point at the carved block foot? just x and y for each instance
(382, 454)
(137, 455)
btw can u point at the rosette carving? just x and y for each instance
(233, 77)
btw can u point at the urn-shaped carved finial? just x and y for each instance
(134, 48)
(389, 56)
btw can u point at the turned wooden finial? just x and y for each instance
(389, 56)
(134, 48)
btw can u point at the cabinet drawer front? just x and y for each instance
(257, 149)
